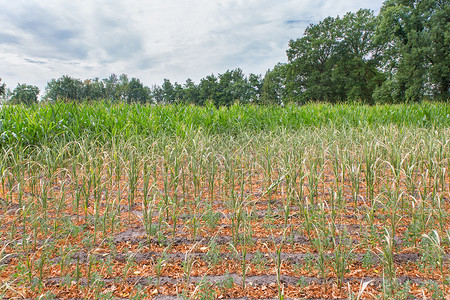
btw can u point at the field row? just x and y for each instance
(322, 213)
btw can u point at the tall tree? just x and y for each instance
(168, 92)
(94, 89)
(255, 86)
(357, 69)
(66, 88)
(191, 92)
(208, 90)
(111, 83)
(25, 94)
(273, 87)
(2, 88)
(416, 38)
(136, 92)
(232, 86)
(336, 60)
(311, 59)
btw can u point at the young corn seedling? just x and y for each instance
(394, 199)
(213, 256)
(276, 257)
(313, 177)
(237, 219)
(174, 217)
(244, 267)
(128, 266)
(212, 173)
(440, 214)
(195, 168)
(321, 259)
(370, 171)
(353, 166)
(160, 233)
(133, 171)
(90, 263)
(338, 171)
(187, 265)
(437, 253)
(147, 215)
(159, 264)
(267, 164)
(386, 256)
(342, 255)
(193, 223)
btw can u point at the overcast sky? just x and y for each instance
(152, 40)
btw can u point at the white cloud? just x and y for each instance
(152, 40)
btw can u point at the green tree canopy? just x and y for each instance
(66, 87)
(2, 88)
(273, 89)
(136, 92)
(415, 35)
(25, 94)
(335, 60)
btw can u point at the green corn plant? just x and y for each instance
(160, 214)
(440, 214)
(175, 213)
(78, 272)
(159, 264)
(437, 253)
(30, 270)
(337, 164)
(166, 183)
(118, 163)
(147, 216)
(238, 214)
(187, 265)
(86, 192)
(268, 157)
(89, 270)
(353, 166)
(130, 263)
(276, 257)
(244, 266)
(194, 221)
(175, 170)
(409, 171)
(212, 172)
(394, 198)
(370, 168)
(62, 261)
(133, 171)
(342, 255)
(321, 259)
(4, 256)
(195, 166)
(386, 256)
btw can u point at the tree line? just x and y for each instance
(400, 55)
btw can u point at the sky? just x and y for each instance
(152, 40)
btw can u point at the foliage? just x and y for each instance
(401, 55)
(273, 87)
(415, 36)
(26, 94)
(2, 88)
(67, 169)
(113, 88)
(48, 122)
(336, 60)
(65, 87)
(222, 90)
